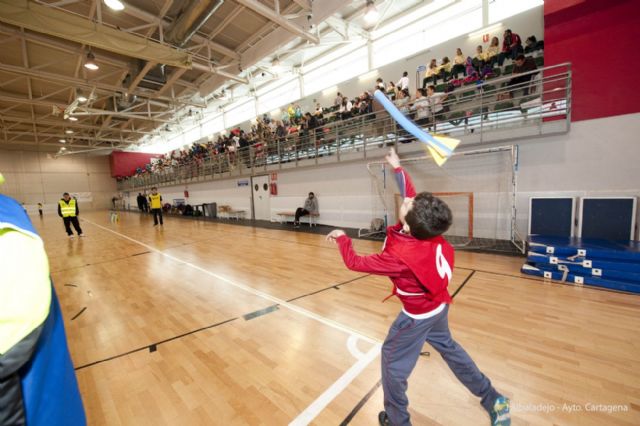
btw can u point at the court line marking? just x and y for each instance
(336, 388)
(352, 344)
(331, 323)
(339, 385)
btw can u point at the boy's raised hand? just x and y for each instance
(393, 159)
(333, 235)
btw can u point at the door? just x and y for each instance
(260, 197)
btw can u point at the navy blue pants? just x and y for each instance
(400, 353)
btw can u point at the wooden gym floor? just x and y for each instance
(200, 323)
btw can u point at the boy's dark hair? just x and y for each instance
(405, 74)
(429, 217)
(520, 57)
(432, 87)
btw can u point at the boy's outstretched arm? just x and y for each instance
(379, 264)
(405, 184)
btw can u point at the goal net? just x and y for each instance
(479, 186)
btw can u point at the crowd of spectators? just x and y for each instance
(267, 134)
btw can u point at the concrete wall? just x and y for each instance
(33, 177)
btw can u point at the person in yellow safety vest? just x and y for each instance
(68, 211)
(38, 385)
(155, 200)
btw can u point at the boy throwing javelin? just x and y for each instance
(419, 262)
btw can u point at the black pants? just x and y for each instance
(519, 81)
(299, 213)
(457, 69)
(67, 225)
(157, 213)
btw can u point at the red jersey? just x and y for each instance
(420, 270)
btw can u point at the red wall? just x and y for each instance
(601, 39)
(125, 163)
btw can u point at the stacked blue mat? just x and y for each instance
(609, 264)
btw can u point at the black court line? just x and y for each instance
(100, 263)
(153, 347)
(334, 286)
(364, 400)
(541, 280)
(70, 285)
(138, 254)
(260, 312)
(466, 280)
(79, 313)
(361, 404)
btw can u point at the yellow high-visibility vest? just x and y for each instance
(68, 210)
(156, 203)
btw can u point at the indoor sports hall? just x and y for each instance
(323, 212)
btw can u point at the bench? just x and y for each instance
(311, 218)
(227, 212)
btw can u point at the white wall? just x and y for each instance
(33, 177)
(596, 158)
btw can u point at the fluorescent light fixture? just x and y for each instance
(114, 4)
(275, 112)
(71, 118)
(90, 63)
(62, 140)
(485, 30)
(371, 14)
(81, 98)
(69, 131)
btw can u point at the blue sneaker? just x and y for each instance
(500, 415)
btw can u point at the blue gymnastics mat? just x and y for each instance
(613, 265)
(593, 249)
(588, 280)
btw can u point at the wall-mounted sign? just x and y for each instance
(243, 182)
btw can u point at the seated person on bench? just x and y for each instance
(310, 207)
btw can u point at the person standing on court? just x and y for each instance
(140, 201)
(155, 200)
(68, 211)
(310, 207)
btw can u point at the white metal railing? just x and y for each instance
(475, 113)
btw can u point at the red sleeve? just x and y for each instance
(405, 184)
(379, 264)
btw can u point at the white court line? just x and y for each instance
(336, 388)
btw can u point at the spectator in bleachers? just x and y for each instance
(338, 100)
(310, 207)
(532, 44)
(391, 91)
(345, 108)
(431, 75)
(436, 100)
(291, 111)
(403, 83)
(421, 106)
(319, 112)
(511, 47)
(478, 60)
(493, 51)
(444, 70)
(380, 84)
(459, 64)
(522, 65)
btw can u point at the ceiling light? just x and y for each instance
(62, 140)
(73, 118)
(371, 14)
(69, 131)
(90, 63)
(114, 4)
(81, 98)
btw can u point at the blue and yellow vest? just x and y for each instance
(49, 387)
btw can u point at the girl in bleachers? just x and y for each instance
(458, 64)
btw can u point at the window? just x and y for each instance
(339, 70)
(279, 96)
(240, 111)
(501, 9)
(212, 125)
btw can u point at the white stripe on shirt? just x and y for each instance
(426, 315)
